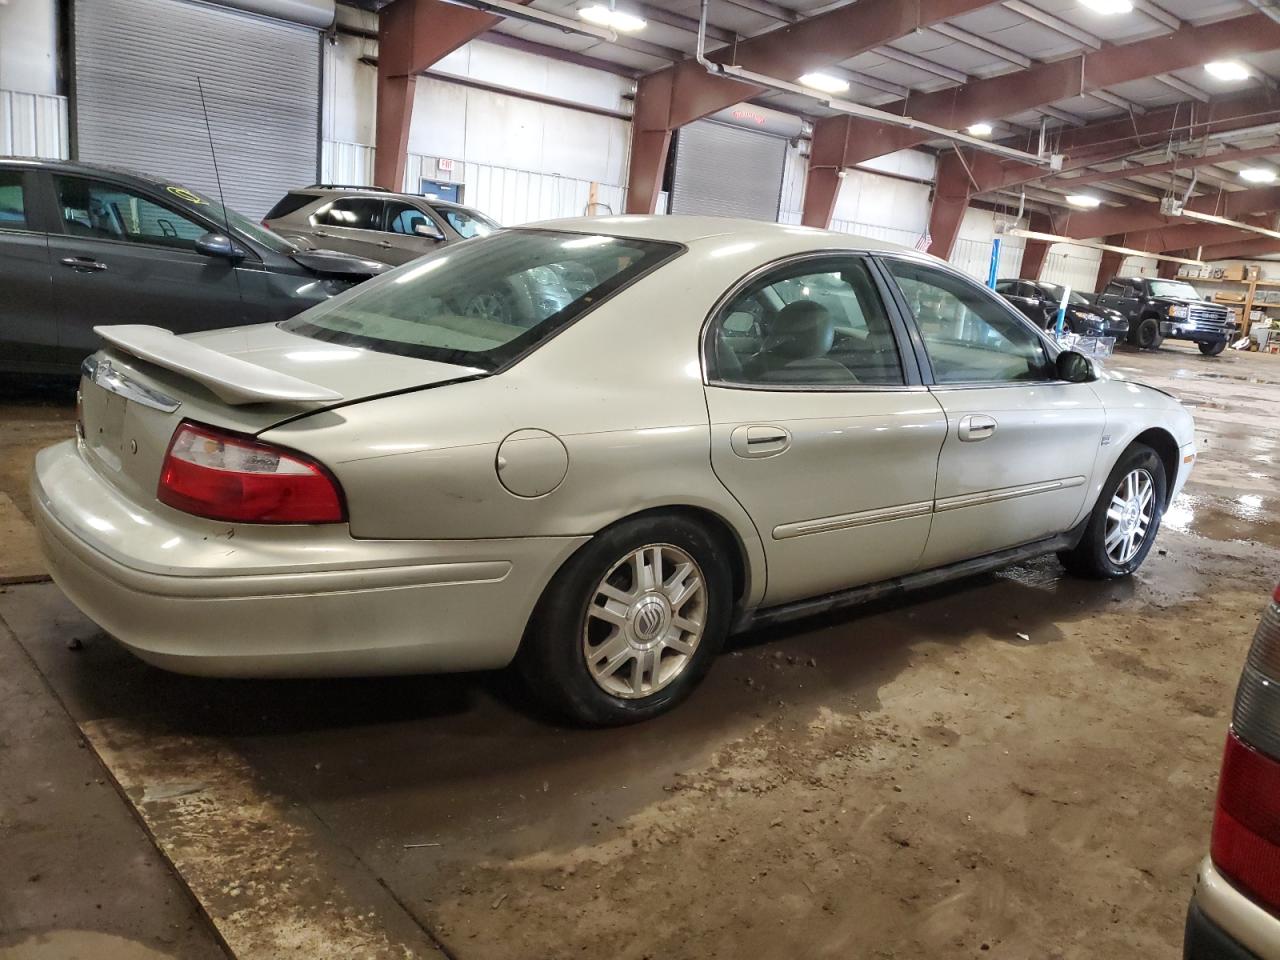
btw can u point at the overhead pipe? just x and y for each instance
(850, 108)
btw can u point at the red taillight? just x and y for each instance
(1246, 823)
(224, 476)
(1275, 594)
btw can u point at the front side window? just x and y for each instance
(815, 323)
(970, 336)
(1116, 289)
(356, 213)
(13, 203)
(485, 303)
(410, 221)
(95, 208)
(466, 224)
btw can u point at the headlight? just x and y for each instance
(1178, 311)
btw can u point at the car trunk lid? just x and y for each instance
(135, 392)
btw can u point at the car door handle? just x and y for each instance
(976, 426)
(321, 233)
(761, 440)
(384, 243)
(83, 264)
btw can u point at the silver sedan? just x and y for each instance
(660, 430)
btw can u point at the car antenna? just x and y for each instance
(217, 178)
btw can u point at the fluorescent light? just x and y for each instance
(980, 129)
(1229, 70)
(824, 82)
(1083, 200)
(1108, 7)
(618, 20)
(1258, 175)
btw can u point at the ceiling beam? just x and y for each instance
(1147, 216)
(1158, 14)
(1187, 89)
(1177, 164)
(919, 63)
(1048, 83)
(1242, 250)
(981, 43)
(1128, 106)
(1056, 24)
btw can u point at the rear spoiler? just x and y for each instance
(233, 381)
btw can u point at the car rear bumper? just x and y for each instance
(201, 597)
(1224, 924)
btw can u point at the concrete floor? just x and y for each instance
(1017, 765)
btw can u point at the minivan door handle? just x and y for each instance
(759, 440)
(83, 264)
(976, 426)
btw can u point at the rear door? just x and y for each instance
(121, 255)
(1020, 444)
(28, 320)
(353, 225)
(820, 426)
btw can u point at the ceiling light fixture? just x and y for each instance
(1231, 71)
(1083, 200)
(1258, 175)
(824, 82)
(1108, 7)
(618, 20)
(980, 130)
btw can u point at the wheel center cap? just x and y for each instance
(649, 619)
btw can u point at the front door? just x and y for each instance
(820, 429)
(1020, 444)
(412, 233)
(124, 257)
(28, 320)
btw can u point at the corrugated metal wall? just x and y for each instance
(33, 125)
(513, 196)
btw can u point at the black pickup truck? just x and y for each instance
(1157, 309)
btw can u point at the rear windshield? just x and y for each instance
(484, 302)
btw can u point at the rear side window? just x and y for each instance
(289, 203)
(13, 204)
(356, 213)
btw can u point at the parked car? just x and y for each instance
(731, 423)
(373, 222)
(1157, 309)
(82, 246)
(1235, 910)
(1038, 300)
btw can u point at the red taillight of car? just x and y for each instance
(1246, 822)
(225, 476)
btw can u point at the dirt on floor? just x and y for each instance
(1019, 765)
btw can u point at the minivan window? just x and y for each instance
(485, 303)
(13, 206)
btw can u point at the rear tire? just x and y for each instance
(612, 643)
(1148, 336)
(1213, 349)
(1125, 520)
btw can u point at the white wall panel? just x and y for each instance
(33, 125)
(29, 46)
(349, 163)
(1076, 267)
(350, 90)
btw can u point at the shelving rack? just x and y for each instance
(1251, 290)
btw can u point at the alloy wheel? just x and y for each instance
(1129, 517)
(645, 620)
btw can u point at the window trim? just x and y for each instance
(211, 226)
(912, 381)
(926, 365)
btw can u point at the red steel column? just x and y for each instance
(822, 184)
(1034, 253)
(1111, 262)
(950, 201)
(1167, 269)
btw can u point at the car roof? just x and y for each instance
(691, 229)
(87, 169)
(376, 194)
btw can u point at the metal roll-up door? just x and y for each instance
(726, 171)
(137, 103)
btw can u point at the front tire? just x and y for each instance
(1148, 336)
(631, 623)
(1213, 349)
(1125, 520)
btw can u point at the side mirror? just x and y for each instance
(1075, 367)
(428, 231)
(219, 245)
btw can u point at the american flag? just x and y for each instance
(925, 241)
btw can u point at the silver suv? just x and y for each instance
(374, 223)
